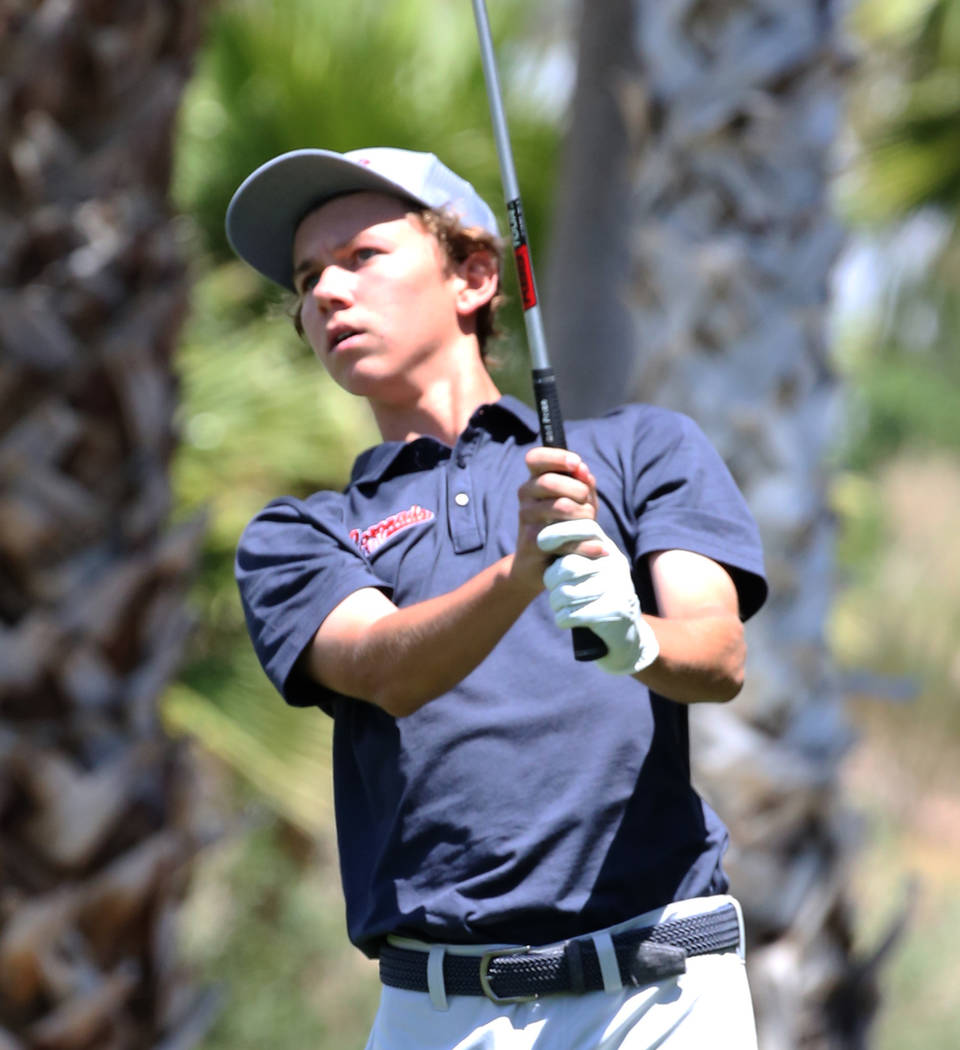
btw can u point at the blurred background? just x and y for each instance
(808, 319)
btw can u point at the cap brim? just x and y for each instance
(264, 213)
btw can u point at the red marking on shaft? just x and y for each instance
(528, 291)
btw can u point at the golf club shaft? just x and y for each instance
(586, 645)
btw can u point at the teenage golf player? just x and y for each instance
(519, 841)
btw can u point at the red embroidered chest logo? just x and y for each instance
(372, 538)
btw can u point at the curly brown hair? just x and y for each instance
(458, 242)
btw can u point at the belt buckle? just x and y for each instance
(485, 960)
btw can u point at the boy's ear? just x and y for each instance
(479, 280)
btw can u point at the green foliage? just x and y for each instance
(905, 371)
(283, 754)
(931, 1014)
(903, 368)
(911, 137)
(891, 19)
(297, 73)
(907, 405)
(266, 922)
(865, 534)
(899, 613)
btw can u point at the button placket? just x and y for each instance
(463, 509)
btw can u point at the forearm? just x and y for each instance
(701, 658)
(408, 656)
(400, 658)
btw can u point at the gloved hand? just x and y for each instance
(598, 593)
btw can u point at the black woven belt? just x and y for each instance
(505, 975)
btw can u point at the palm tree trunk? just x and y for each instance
(589, 327)
(98, 819)
(702, 187)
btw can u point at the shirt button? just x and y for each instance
(461, 499)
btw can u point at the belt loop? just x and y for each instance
(741, 947)
(435, 983)
(609, 967)
(575, 966)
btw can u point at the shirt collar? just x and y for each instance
(503, 417)
(511, 412)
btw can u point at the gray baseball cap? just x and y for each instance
(264, 213)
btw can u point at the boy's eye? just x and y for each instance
(358, 256)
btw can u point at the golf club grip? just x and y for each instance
(586, 645)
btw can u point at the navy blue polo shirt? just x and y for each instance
(541, 798)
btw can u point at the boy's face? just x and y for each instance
(379, 302)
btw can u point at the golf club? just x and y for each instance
(586, 645)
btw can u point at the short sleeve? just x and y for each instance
(684, 497)
(295, 563)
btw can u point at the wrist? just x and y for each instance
(522, 585)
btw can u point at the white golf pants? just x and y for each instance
(707, 1007)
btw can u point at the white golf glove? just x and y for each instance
(598, 593)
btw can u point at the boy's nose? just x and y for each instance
(333, 288)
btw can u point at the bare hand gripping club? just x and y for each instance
(586, 645)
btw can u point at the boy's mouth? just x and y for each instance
(336, 334)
